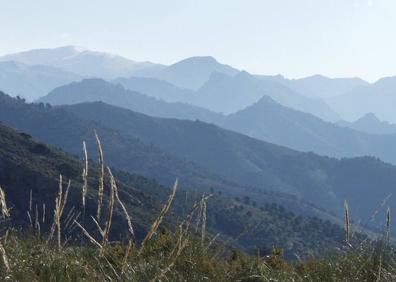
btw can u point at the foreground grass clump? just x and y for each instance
(31, 258)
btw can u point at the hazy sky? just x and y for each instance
(293, 37)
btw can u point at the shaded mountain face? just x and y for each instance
(81, 61)
(319, 86)
(378, 98)
(157, 88)
(91, 90)
(193, 72)
(369, 123)
(32, 82)
(228, 94)
(29, 167)
(270, 121)
(266, 120)
(258, 166)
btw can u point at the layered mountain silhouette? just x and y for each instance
(378, 98)
(319, 86)
(32, 82)
(91, 90)
(369, 123)
(266, 120)
(157, 88)
(228, 94)
(192, 73)
(270, 121)
(81, 61)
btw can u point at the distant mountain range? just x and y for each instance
(222, 93)
(81, 61)
(266, 120)
(369, 123)
(378, 98)
(32, 82)
(319, 86)
(200, 81)
(192, 73)
(157, 88)
(91, 90)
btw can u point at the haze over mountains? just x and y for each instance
(370, 123)
(378, 98)
(81, 61)
(214, 126)
(199, 80)
(266, 120)
(319, 86)
(204, 155)
(32, 81)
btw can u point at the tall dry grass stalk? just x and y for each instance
(5, 258)
(101, 177)
(203, 228)
(124, 210)
(60, 203)
(37, 221)
(30, 201)
(388, 224)
(43, 219)
(160, 218)
(346, 222)
(85, 176)
(106, 230)
(5, 212)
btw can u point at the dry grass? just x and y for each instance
(347, 227)
(101, 177)
(388, 224)
(85, 175)
(157, 222)
(5, 212)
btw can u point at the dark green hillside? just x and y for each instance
(26, 165)
(67, 131)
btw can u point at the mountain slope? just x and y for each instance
(257, 165)
(265, 120)
(269, 121)
(319, 86)
(28, 167)
(91, 90)
(57, 127)
(378, 98)
(32, 82)
(192, 73)
(155, 88)
(369, 123)
(81, 61)
(228, 94)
